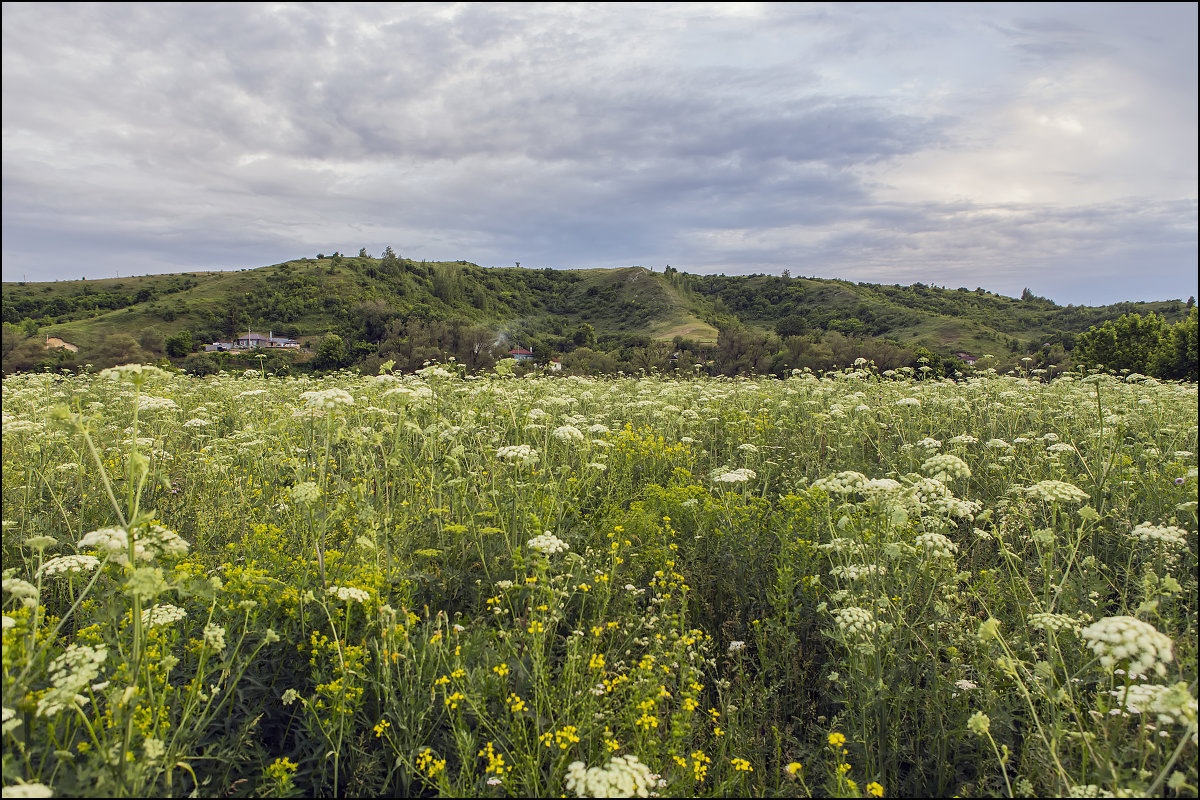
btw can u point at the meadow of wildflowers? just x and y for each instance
(855, 584)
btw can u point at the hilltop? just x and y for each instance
(597, 320)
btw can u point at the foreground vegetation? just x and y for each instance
(854, 584)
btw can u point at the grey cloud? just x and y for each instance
(572, 135)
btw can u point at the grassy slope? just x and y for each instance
(628, 300)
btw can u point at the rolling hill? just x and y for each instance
(392, 305)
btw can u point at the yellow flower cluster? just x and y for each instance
(563, 738)
(428, 764)
(495, 763)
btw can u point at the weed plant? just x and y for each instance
(441, 584)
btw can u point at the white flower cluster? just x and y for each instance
(548, 544)
(908, 401)
(28, 790)
(348, 593)
(853, 572)
(154, 542)
(568, 433)
(132, 372)
(855, 622)
(214, 636)
(162, 614)
(881, 487)
(623, 776)
(936, 545)
(1117, 639)
(944, 466)
(70, 674)
(998, 444)
(1056, 492)
(1046, 621)
(519, 453)
(843, 483)
(156, 404)
(963, 438)
(24, 591)
(736, 476)
(403, 394)
(327, 399)
(61, 564)
(929, 443)
(1168, 536)
(434, 371)
(306, 492)
(1088, 790)
(1061, 447)
(841, 545)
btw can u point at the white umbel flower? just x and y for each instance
(327, 399)
(1056, 492)
(1119, 639)
(841, 483)
(69, 564)
(944, 466)
(162, 615)
(518, 453)
(855, 622)
(548, 544)
(156, 404)
(348, 594)
(1053, 622)
(70, 674)
(623, 776)
(306, 492)
(151, 543)
(568, 433)
(736, 476)
(936, 545)
(1167, 536)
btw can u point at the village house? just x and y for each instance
(252, 341)
(967, 357)
(521, 354)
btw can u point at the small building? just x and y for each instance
(967, 357)
(520, 354)
(556, 365)
(252, 340)
(218, 347)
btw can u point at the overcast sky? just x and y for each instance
(1042, 145)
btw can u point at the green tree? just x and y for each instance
(389, 262)
(1126, 343)
(179, 344)
(1176, 354)
(331, 353)
(584, 336)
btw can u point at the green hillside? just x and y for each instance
(595, 320)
